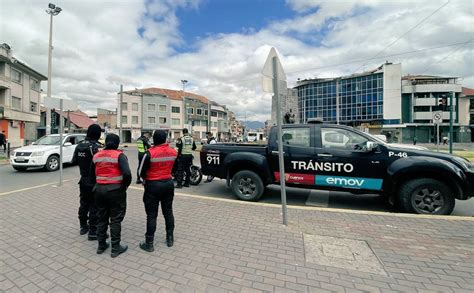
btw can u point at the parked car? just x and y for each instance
(45, 152)
(341, 158)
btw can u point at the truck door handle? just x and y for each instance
(276, 153)
(325, 155)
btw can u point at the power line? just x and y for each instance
(445, 57)
(408, 31)
(362, 60)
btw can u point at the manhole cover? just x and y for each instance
(341, 253)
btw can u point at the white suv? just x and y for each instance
(45, 152)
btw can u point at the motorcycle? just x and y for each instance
(196, 173)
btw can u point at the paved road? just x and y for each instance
(12, 180)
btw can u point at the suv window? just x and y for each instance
(71, 139)
(341, 139)
(297, 137)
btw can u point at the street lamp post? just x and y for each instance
(184, 82)
(52, 10)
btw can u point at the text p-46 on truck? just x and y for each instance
(340, 158)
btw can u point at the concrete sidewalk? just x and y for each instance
(223, 245)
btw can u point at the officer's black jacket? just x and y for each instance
(83, 155)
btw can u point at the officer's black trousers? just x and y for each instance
(140, 158)
(111, 204)
(87, 208)
(156, 192)
(184, 163)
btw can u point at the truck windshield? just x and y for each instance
(48, 140)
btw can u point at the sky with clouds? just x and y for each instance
(220, 46)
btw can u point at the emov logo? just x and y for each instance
(349, 182)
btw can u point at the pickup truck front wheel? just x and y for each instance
(247, 185)
(426, 196)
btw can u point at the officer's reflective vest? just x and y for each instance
(107, 168)
(187, 142)
(140, 145)
(162, 159)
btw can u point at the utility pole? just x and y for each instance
(120, 107)
(451, 132)
(337, 102)
(52, 10)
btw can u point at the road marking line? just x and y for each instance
(323, 209)
(33, 187)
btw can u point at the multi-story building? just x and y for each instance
(236, 128)
(107, 118)
(219, 125)
(20, 88)
(468, 94)
(289, 104)
(381, 101)
(158, 108)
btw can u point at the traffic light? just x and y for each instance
(443, 103)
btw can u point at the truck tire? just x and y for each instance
(247, 185)
(426, 196)
(52, 164)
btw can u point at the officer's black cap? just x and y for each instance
(159, 137)
(94, 131)
(112, 141)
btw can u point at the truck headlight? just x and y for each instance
(37, 154)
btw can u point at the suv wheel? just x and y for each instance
(52, 164)
(426, 196)
(247, 185)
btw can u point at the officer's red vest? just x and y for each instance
(162, 158)
(107, 168)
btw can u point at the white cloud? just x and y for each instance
(97, 46)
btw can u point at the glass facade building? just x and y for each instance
(361, 98)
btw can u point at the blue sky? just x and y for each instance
(229, 16)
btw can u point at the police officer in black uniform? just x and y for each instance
(186, 146)
(112, 175)
(83, 155)
(156, 171)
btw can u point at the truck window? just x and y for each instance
(340, 139)
(296, 137)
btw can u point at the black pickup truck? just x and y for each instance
(335, 157)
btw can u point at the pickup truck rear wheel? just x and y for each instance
(426, 196)
(247, 185)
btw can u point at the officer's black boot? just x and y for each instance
(92, 234)
(84, 230)
(118, 249)
(147, 245)
(103, 245)
(169, 239)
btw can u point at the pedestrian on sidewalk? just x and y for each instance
(3, 141)
(210, 140)
(186, 146)
(113, 176)
(155, 170)
(83, 155)
(143, 144)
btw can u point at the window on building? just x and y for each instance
(151, 120)
(221, 115)
(421, 108)
(124, 119)
(151, 107)
(175, 109)
(162, 108)
(199, 112)
(162, 120)
(175, 121)
(124, 106)
(213, 114)
(33, 107)
(206, 112)
(191, 111)
(203, 134)
(135, 107)
(34, 85)
(215, 124)
(197, 123)
(16, 103)
(134, 119)
(16, 75)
